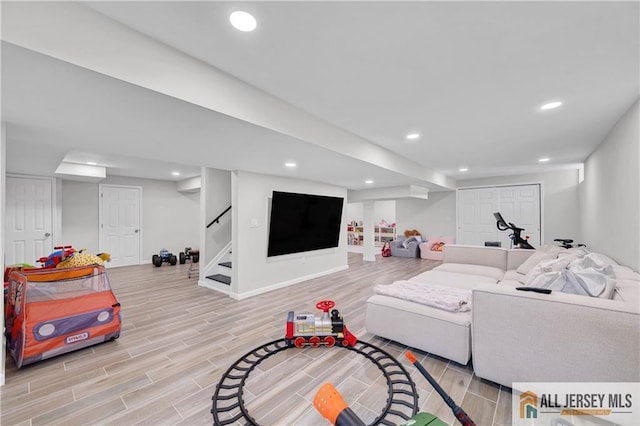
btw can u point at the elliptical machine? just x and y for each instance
(516, 240)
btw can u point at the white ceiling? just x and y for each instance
(468, 76)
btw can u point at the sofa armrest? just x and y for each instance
(397, 242)
(522, 336)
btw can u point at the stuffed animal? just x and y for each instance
(386, 249)
(82, 258)
(411, 232)
(437, 246)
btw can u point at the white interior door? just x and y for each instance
(519, 204)
(29, 219)
(120, 224)
(475, 216)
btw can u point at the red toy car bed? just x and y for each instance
(54, 311)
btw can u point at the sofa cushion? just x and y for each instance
(513, 275)
(476, 255)
(627, 291)
(533, 260)
(510, 283)
(452, 279)
(449, 298)
(622, 272)
(516, 257)
(461, 268)
(447, 334)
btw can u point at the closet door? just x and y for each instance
(519, 204)
(475, 216)
(29, 219)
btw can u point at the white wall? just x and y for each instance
(355, 212)
(170, 219)
(561, 216)
(560, 200)
(610, 194)
(434, 216)
(382, 210)
(217, 191)
(254, 273)
(79, 211)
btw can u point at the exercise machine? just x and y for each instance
(516, 240)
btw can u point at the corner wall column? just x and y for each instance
(369, 246)
(3, 162)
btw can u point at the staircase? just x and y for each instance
(223, 274)
(218, 272)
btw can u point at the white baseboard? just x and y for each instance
(214, 285)
(283, 284)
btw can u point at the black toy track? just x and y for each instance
(402, 401)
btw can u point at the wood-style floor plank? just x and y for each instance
(178, 339)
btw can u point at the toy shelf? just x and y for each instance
(382, 234)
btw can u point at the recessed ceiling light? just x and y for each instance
(290, 164)
(463, 169)
(413, 136)
(368, 181)
(92, 163)
(543, 160)
(243, 21)
(550, 105)
(175, 173)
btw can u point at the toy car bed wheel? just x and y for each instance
(173, 260)
(183, 258)
(195, 257)
(156, 260)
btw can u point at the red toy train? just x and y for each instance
(309, 330)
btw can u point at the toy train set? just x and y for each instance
(310, 330)
(314, 331)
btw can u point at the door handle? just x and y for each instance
(136, 231)
(47, 235)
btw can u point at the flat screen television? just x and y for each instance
(303, 222)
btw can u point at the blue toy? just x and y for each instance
(164, 256)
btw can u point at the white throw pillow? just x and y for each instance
(533, 260)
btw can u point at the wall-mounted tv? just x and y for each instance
(303, 222)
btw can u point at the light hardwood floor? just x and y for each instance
(178, 339)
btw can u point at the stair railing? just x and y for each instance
(217, 219)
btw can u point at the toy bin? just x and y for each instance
(50, 312)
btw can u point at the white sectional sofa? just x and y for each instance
(513, 335)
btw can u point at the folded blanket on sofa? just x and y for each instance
(448, 298)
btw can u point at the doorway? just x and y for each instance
(28, 219)
(120, 231)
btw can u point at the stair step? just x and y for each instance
(225, 264)
(220, 278)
